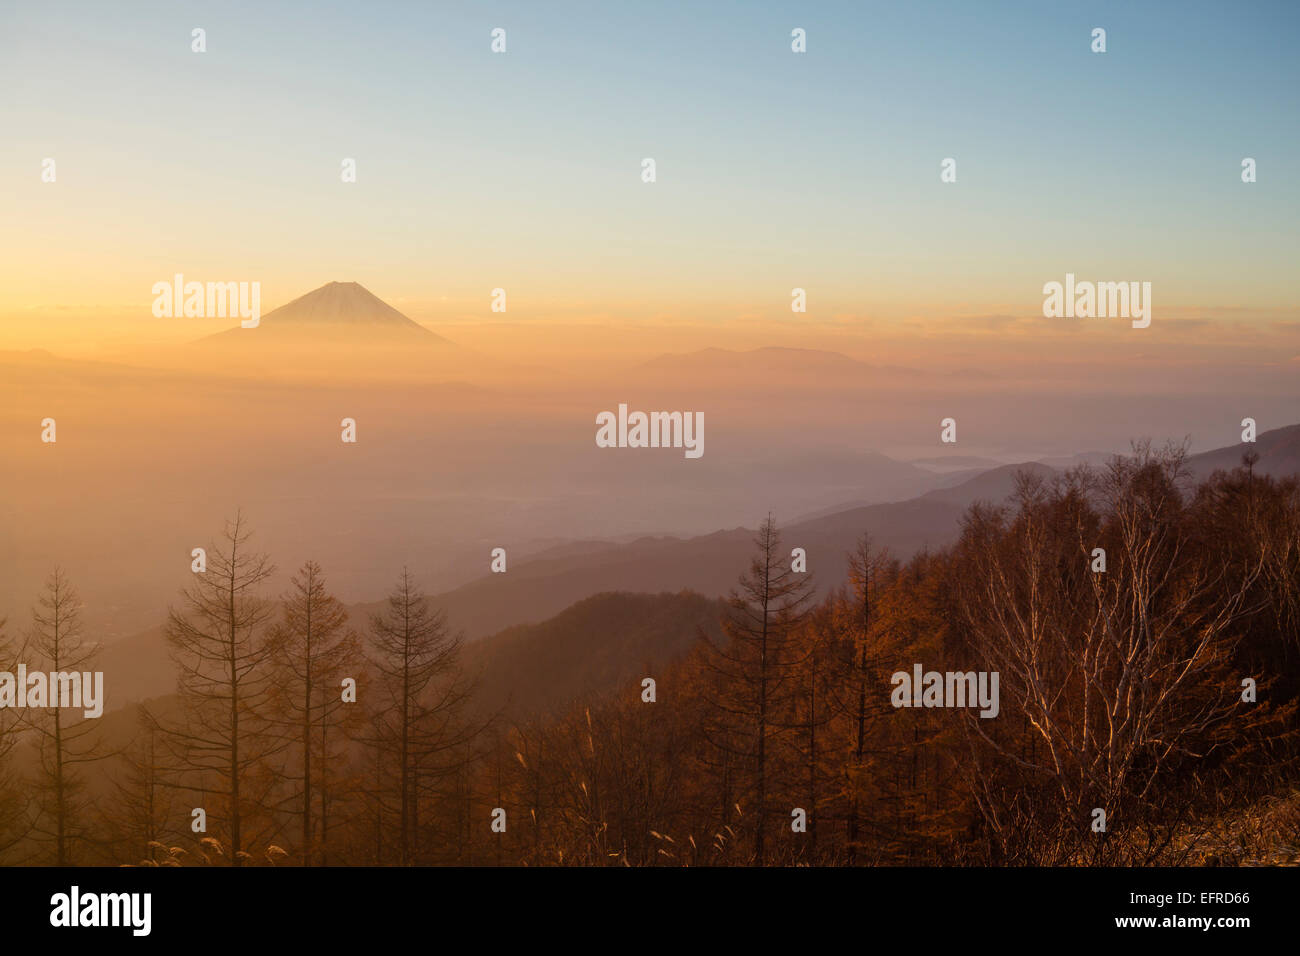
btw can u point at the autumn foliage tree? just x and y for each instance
(1121, 674)
(313, 651)
(752, 677)
(221, 744)
(418, 730)
(13, 797)
(66, 740)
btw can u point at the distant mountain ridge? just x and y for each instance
(709, 564)
(778, 362)
(523, 601)
(591, 645)
(768, 360)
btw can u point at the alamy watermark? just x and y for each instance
(83, 690)
(949, 689)
(75, 908)
(208, 300)
(1102, 300)
(651, 430)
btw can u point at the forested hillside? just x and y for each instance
(1133, 632)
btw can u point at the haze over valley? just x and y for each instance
(460, 452)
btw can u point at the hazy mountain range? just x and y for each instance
(540, 609)
(459, 452)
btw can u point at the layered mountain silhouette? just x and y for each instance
(337, 311)
(709, 564)
(779, 363)
(595, 644)
(716, 364)
(523, 671)
(562, 582)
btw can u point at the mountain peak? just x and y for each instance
(337, 311)
(339, 303)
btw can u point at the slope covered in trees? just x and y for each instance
(1139, 630)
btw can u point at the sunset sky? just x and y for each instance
(775, 170)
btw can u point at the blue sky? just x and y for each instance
(822, 166)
